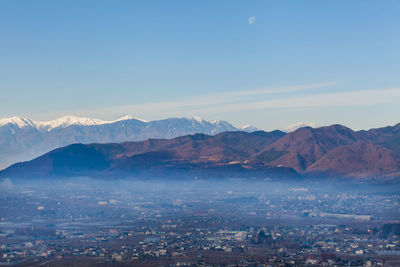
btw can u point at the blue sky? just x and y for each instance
(320, 61)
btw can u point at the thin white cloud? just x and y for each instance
(338, 99)
(252, 20)
(247, 100)
(203, 102)
(277, 90)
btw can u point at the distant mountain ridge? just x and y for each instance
(23, 139)
(330, 151)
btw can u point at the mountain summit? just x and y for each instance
(24, 139)
(59, 123)
(330, 151)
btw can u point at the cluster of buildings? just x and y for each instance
(298, 227)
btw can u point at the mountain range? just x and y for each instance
(24, 139)
(330, 151)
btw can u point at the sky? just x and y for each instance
(264, 63)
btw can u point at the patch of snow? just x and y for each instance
(298, 125)
(249, 128)
(198, 119)
(17, 121)
(60, 122)
(127, 117)
(68, 121)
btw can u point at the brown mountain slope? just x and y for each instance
(379, 135)
(223, 147)
(388, 137)
(358, 160)
(305, 146)
(334, 150)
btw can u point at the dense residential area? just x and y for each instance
(188, 224)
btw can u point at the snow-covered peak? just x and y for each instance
(198, 119)
(301, 124)
(127, 117)
(68, 121)
(225, 124)
(73, 120)
(60, 122)
(249, 128)
(17, 121)
(218, 122)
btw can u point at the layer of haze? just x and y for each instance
(265, 63)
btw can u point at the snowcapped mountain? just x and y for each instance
(298, 125)
(331, 151)
(22, 139)
(18, 122)
(68, 121)
(249, 128)
(60, 122)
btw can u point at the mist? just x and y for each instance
(152, 221)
